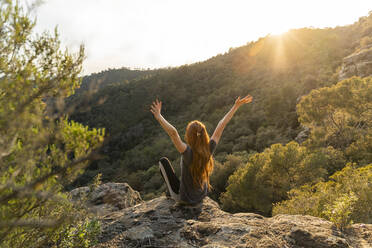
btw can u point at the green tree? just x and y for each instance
(346, 198)
(339, 115)
(268, 176)
(340, 210)
(360, 151)
(40, 150)
(222, 172)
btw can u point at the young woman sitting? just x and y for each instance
(196, 155)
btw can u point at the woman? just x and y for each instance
(196, 159)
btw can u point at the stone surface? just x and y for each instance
(107, 197)
(303, 135)
(157, 223)
(357, 64)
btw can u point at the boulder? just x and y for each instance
(107, 197)
(303, 135)
(357, 64)
(158, 223)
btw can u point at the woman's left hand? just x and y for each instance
(156, 108)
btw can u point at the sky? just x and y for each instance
(166, 33)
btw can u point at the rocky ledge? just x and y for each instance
(107, 197)
(357, 64)
(157, 223)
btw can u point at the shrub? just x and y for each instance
(345, 198)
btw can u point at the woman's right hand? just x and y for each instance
(240, 101)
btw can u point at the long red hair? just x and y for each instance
(202, 163)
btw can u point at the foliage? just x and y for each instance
(81, 235)
(40, 150)
(346, 197)
(96, 182)
(222, 171)
(108, 77)
(338, 115)
(268, 176)
(360, 151)
(341, 209)
(340, 119)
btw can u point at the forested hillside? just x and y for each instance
(99, 80)
(257, 147)
(91, 84)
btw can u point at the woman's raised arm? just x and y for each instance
(223, 122)
(171, 130)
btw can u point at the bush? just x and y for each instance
(81, 235)
(222, 172)
(268, 176)
(338, 115)
(339, 212)
(346, 198)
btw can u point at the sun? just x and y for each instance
(279, 30)
(279, 27)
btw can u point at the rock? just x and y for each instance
(139, 233)
(303, 238)
(357, 64)
(79, 193)
(303, 135)
(157, 223)
(107, 197)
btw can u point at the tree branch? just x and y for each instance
(17, 191)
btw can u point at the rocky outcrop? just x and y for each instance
(107, 197)
(357, 64)
(157, 223)
(303, 135)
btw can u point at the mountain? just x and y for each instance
(276, 70)
(111, 76)
(94, 82)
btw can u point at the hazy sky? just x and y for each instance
(161, 33)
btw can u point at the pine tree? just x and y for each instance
(40, 150)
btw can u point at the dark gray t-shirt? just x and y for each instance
(188, 191)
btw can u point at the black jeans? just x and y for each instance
(170, 178)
